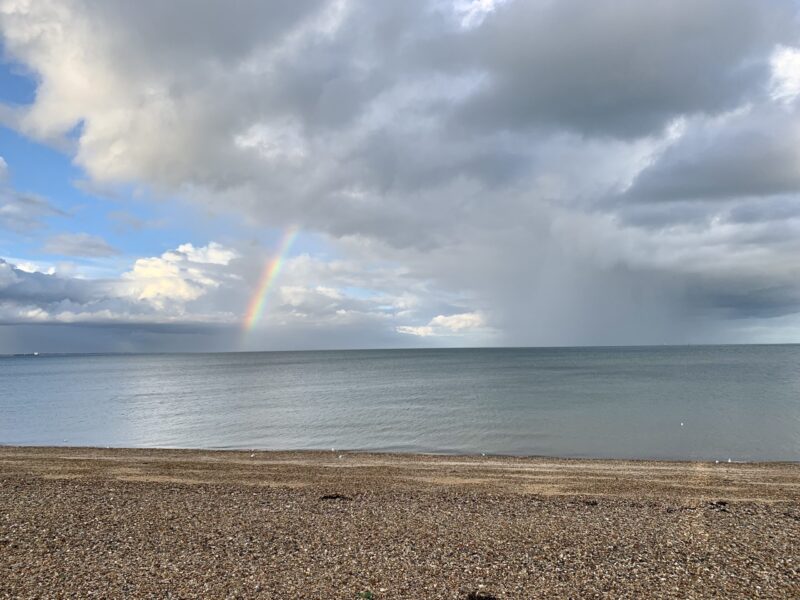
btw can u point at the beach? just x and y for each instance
(131, 523)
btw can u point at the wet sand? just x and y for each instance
(77, 522)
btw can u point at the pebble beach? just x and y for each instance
(120, 523)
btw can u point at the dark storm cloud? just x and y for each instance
(341, 73)
(779, 209)
(198, 35)
(733, 298)
(110, 337)
(755, 154)
(22, 287)
(657, 216)
(394, 161)
(125, 329)
(617, 67)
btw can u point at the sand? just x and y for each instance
(77, 522)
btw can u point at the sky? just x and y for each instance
(212, 176)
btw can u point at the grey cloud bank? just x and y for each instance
(569, 172)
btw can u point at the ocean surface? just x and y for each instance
(703, 402)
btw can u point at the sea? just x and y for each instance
(738, 403)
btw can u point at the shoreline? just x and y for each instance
(754, 481)
(433, 454)
(321, 524)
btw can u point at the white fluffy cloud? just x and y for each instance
(446, 325)
(155, 290)
(786, 73)
(178, 276)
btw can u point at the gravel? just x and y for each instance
(190, 524)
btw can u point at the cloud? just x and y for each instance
(213, 253)
(22, 291)
(178, 276)
(610, 172)
(456, 323)
(446, 325)
(785, 74)
(194, 290)
(738, 157)
(619, 68)
(79, 244)
(154, 290)
(124, 222)
(19, 212)
(24, 212)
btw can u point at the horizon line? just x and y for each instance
(399, 349)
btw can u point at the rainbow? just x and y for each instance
(255, 307)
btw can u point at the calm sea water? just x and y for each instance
(720, 402)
